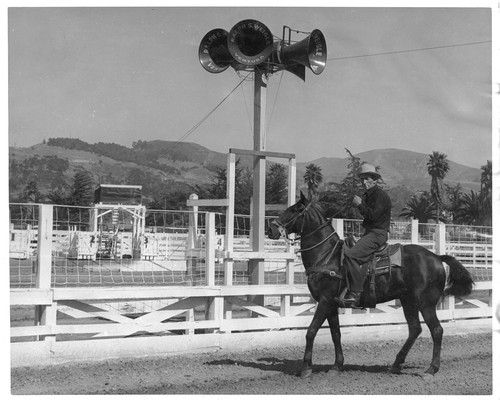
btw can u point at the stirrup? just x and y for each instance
(343, 304)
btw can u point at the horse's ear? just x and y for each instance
(303, 199)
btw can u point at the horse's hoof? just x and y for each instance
(306, 373)
(428, 377)
(431, 371)
(335, 370)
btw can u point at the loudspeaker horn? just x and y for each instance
(250, 42)
(213, 52)
(276, 64)
(310, 52)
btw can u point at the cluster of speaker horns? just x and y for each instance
(251, 44)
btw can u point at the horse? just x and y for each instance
(419, 283)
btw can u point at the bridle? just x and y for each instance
(282, 228)
(323, 266)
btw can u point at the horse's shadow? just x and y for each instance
(294, 367)
(288, 367)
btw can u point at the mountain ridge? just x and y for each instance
(398, 167)
(184, 165)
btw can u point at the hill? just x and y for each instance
(398, 168)
(164, 167)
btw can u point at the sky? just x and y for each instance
(418, 79)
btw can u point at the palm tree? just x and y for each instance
(313, 177)
(475, 209)
(437, 167)
(420, 207)
(82, 190)
(31, 193)
(453, 199)
(486, 178)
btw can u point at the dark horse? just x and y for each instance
(418, 284)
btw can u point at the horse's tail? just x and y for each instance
(459, 281)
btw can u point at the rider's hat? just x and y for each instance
(368, 170)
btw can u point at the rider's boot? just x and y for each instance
(354, 280)
(351, 299)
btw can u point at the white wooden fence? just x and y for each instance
(76, 323)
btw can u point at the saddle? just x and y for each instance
(383, 260)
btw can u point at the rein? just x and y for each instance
(318, 268)
(297, 239)
(317, 244)
(300, 214)
(323, 269)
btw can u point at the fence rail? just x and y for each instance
(195, 287)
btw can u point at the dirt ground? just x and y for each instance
(466, 369)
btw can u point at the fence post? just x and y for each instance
(414, 231)
(447, 303)
(192, 244)
(286, 300)
(192, 239)
(215, 308)
(338, 225)
(211, 241)
(440, 239)
(45, 315)
(229, 234)
(44, 257)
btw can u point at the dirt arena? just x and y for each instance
(466, 369)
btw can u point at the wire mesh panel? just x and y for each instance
(129, 245)
(23, 233)
(400, 231)
(125, 245)
(241, 273)
(241, 225)
(23, 215)
(353, 227)
(473, 247)
(469, 234)
(426, 232)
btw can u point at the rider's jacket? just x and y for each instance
(376, 209)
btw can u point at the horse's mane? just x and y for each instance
(316, 205)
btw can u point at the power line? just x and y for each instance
(190, 131)
(275, 100)
(410, 51)
(248, 113)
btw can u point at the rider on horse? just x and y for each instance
(375, 207)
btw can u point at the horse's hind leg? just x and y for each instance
(317, 321)
(432, 321)
(414, 330)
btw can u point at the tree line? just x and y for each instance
(442, 202)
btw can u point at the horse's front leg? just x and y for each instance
(334, 323)
(318, 319)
